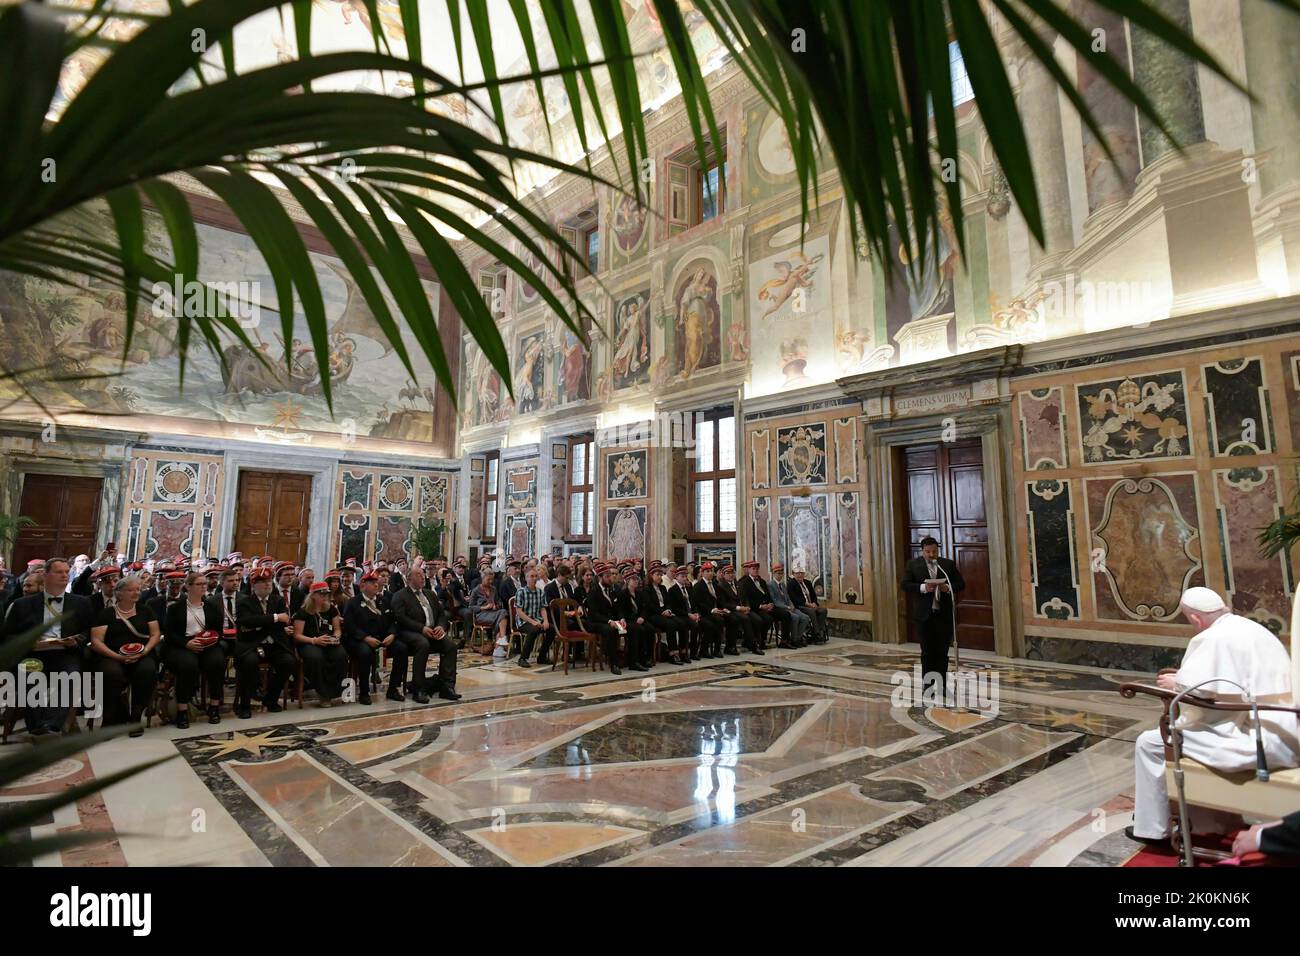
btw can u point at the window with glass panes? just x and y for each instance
(582, 487)
(697, 192)
(713, 475)
(490, 497)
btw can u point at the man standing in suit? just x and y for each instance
(70, 620)
(932, 607)
(803, 595)
(418, 617)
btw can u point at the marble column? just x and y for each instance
(1040, 110)
(1169, 79)
(1108, 181)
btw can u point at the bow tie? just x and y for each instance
(56, 600)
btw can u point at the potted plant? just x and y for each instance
(426, 536)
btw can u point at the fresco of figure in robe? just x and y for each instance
(574, 380)
(697, 319)
(929, 292)
(631, 362)
(530, 372)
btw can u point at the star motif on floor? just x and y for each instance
(253, 744)
(1085, 722)
(750, 669)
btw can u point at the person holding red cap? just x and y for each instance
(186, 625)
(317, 631)
(367, 630)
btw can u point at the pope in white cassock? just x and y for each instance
(1226, 646)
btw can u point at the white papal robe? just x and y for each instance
(1238, 649)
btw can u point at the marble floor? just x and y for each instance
(798, 758)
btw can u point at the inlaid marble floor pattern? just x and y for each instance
(796, 758)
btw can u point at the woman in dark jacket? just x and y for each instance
(317, 633)
(187, 625)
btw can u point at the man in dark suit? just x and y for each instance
(803, 596)
(418, 617)
(661, 616)
(367, 629)
(693, 623)
(261, 618)
(1278, 838)
(104, 581)
(932, 607)
(712, 612)
(70, 619)
(510, 582)
(755, 595)
(640, 632)
(741, 623)
(600, 614)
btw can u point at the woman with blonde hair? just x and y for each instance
(317, 633)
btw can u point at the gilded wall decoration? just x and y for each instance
(1145, 545)
(801, 455)
(1053, 570)
(1144, 416)
(1237, 410)
(1043, 439)
(626, 474)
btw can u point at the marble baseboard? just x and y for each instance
(849, 629)
(1127, 657)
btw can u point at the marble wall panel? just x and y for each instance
(1247, 499)
(1237, 407)
(1052, 565)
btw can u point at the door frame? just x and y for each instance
(882, 439)
(112, 475)
(324, 474)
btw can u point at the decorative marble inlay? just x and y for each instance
(801, 455)
(1246, 500)
(1043, 429)
(520, 535)
(521, 487)
(760, 450)
(1237, 408)
(804, 536)
(1053, 572)
(762, 531)
(434, 494)
(626, 474)
(394, 539)
(176, 482)
(355, 489)
(848, 524)
(1146, 546)
(846, 450)
(396, 493)
(625, 532)
(1132, 418)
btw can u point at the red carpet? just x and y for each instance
(1157, 856)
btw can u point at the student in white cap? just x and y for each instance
(1229, 647)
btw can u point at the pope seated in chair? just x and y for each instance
(1226, 647)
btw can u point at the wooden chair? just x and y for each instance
(515, 636)
(1239, 793)
(564, 610)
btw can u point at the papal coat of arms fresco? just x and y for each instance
(626, 475)
(1131, 418)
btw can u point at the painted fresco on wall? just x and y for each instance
(625, 532)
(628, 227)
(920, 308)
(573, 366)
(1140, 417)
(630, 361)
(697, 319)
(79, 330)
(485, 389)
(530, 372)
(789, 302)
(626, 474)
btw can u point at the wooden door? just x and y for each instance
(942, 486)
(272, 516)
(66, 511)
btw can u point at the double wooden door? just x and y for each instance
(943, 492)
(66, 511)
(273, 513)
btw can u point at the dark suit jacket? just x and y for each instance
(915, 574)
(296, 596)
(552, 591)
(506, 589)
(255, 625)
(409, 616)
(600, 609)
(175, 621)
(727, 596)
(1283, 838)
(681, 602)
(82, 585)
(359, 622)
(27, 612)
(754, 592)
(705, 603)
(652, 601)
(801, 598)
